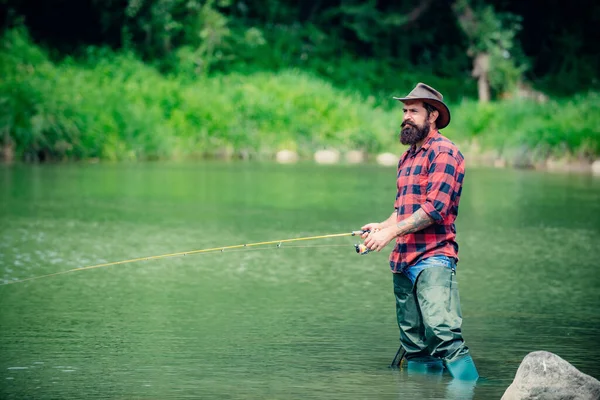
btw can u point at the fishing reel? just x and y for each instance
(361, 249)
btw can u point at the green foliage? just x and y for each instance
(200, 37)
(115, 107)
(561, 127)
(186, 35)
(494, 34)
(309, 49)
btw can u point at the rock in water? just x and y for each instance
(543, 375)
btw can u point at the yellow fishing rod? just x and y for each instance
(186, 253)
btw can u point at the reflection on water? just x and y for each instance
(457, 389)
(294, 322)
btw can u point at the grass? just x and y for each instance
(112, 106)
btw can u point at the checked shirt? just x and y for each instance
(429, 178)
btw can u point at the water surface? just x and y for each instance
(307, 320)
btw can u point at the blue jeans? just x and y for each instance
(435, 261)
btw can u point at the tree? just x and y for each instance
(497, 61)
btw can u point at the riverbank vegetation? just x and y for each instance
(253, 88)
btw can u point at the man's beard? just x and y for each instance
(412, 134)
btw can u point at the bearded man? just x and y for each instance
(424, 258)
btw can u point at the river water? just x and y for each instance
(309, 319)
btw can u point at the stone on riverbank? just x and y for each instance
(387, 159)
(327, 157)
(286, 157)
(596, 167)
(544, 375)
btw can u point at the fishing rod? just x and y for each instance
(360, 249)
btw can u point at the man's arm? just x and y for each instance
(379, 239)
(388, 222)
(442, 178)
(377, 226)
(417, 221)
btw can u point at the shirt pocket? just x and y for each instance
(416, 188)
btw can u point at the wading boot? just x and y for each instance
(425, 365)
(463, 368)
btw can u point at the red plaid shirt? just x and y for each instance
(429, 178)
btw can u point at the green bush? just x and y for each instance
(113, 106)
(562, 125)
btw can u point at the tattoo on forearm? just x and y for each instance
(417, 221)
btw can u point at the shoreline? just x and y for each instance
(528, 159)
(523, 159)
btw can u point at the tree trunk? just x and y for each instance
(481, 68)
(483, 88)
(7, 151)
(468, 21)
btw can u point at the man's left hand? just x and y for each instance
(378, 240)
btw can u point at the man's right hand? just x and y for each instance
(372, 226)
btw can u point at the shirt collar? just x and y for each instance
(433, 134)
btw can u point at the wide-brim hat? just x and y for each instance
(429, 95)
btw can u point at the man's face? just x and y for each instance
(415, 124)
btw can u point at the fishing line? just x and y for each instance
(237, 248)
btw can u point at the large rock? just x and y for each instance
(543, 375)
(327, 157)
(387, 159)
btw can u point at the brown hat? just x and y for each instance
(429, 95)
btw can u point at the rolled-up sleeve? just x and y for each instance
(441, 183)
